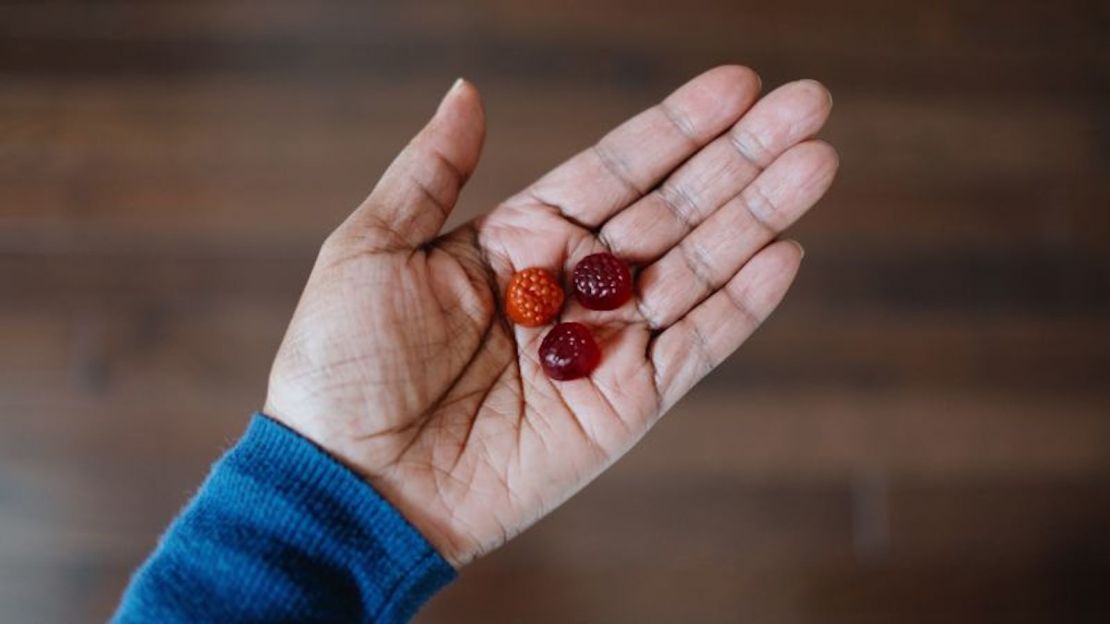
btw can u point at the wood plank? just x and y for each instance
(919, 435)
(955, 45)
(211, 328)
(833, 283)
(204, 161)
(1019, 574)
(756, 435)
(194, 124)
(738, 546)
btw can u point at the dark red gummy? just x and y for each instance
(602, 282)
(568, 351)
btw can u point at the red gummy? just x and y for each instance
(602, 282)
(533, 297)
(568, 351)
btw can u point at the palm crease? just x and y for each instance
(400, 362)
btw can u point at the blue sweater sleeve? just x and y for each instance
(281, 532)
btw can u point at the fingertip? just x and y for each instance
(716, 98)
(448, 99)
(465, 88)
(788, 114)
(825, 163)
(814, 162)
(782, 257)
(739, 75)
(831, 158)
(819, 91)
(799, 248)
(737, 85)
(462, 94)
(771, 272)
(457, 130)
(828, 152)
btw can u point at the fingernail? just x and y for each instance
(819, 85)
(801, 250)
(447, 96)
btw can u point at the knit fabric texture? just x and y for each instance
(281, 532)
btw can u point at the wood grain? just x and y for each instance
(921, 434)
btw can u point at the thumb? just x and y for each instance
(413, 198)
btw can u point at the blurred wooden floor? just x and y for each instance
(922, 434)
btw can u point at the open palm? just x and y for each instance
(400, 362)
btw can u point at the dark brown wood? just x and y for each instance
(921, 434)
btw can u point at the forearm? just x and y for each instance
(282, 532)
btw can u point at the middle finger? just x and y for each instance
(788, 115)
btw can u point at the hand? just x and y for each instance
(400, 362)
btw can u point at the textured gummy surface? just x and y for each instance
(569, 351)
(602, 282)
(533, 297)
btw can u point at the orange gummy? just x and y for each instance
(533, 297)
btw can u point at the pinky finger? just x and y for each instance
(697, 343)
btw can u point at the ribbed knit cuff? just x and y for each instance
(282, 532)
(338, 514)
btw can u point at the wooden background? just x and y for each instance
(922, 434)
